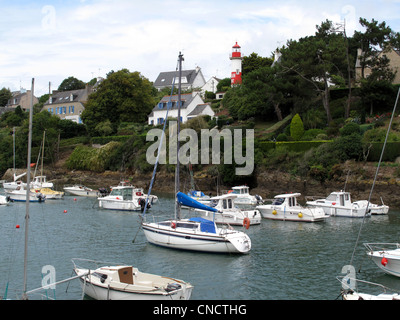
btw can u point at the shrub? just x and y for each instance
(296, 128)
(350, 128)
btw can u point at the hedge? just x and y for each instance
(392, 151)
(297, 146)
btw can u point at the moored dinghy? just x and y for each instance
(124, 282)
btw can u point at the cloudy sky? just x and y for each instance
(52, 40)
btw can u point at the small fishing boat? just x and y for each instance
(124, 282)
(19, 195)
(386, 256)
(41, 182)
(285, 207)
(82, 191)
(127, 198)
(12, 185)
(229, 213)
(375, 209)
(244, 197)
(338, 204)
(50, 193)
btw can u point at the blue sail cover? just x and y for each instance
(205, 225)
(187, 201)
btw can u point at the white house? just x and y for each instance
(191, 79)
(192, 106)
(210, 85)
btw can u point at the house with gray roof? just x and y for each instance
(68, 104)
(22, 98)
(191, 79)
(192, 105)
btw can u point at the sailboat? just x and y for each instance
(197, 234)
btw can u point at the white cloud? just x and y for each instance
(88, 38)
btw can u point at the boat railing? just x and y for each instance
(381, 246)
(352, 284)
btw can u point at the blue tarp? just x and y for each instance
(205, 225)
(185, 200)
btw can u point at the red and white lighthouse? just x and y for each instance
(236, 58)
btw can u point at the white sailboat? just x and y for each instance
(196, 234)
(124, 282)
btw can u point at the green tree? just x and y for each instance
(318, 60)
(71, 83)
(296, 127)
(253, 62)
(5, 95)
(123, 97)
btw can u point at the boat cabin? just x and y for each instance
(240, 190)
(340, 198)
(224, 202)
(289, 199)
(126, 193)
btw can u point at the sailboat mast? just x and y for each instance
(177, 184)
(28, 182)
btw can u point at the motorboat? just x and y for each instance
(41, 182)
(229, 213)
(244, 197)
(376, 209)
(285, 207)
(196, 234)
(125, 282)
(80, 190)
(339, 204)
(127, 198)
(50, 193)
(19, 195)
(199, 196)
(386, 256)
(4, 200)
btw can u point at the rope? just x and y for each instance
(376, 175)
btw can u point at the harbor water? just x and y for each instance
(288, 260)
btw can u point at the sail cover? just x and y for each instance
(187, 201)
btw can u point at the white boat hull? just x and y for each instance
(115, 204)
(340, 211)
(181, 238)
(387, 260)
(21, 196)
(234, 218)
(81, 191)
(150, 288)
(293, 214)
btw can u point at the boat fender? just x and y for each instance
(300, 215)
(246, 222)
(274, 212)
(384, 261)
(173, 225)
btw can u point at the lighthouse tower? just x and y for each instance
(236, 58)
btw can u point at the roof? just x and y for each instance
(198, 110)
(65, 96)
(166, 78)
(185, 98)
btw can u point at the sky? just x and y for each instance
(53, 40)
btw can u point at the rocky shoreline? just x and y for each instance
(269, 183)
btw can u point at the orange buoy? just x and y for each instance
(65, 211)
(246, 222)
(17, 226)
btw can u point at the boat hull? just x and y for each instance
(293, 214)
(340, 211)
(124, 205)
(206, 242)
(108, 291)
(233, 218)
(392, 265)
(81, 192)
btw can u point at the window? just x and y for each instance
(160, 105)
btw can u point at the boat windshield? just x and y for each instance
(126, 193)
(278, 201)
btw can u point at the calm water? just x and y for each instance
(288, 260)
